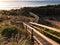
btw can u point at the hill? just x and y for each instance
(50, 12)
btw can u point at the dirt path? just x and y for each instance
(56, 23)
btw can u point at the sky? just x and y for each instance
(13, 4)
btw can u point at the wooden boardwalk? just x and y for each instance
(39, 37)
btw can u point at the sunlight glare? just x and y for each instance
(3, 5)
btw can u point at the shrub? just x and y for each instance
(9, 32)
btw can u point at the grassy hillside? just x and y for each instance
(50, 12)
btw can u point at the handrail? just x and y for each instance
(48, 33)
(39, 42)
(46, 27)
(36, 17)
(43, 36)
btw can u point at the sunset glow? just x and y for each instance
(3, 4)
(13, 4)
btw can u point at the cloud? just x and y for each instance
(9, 4)
(52, 0)
(22, 0)
(29, 0)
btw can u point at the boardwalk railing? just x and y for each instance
(39, 37)
(46, 27)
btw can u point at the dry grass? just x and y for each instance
(56, 23)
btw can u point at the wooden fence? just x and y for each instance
(32, 28)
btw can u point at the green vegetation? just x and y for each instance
(14, 35)
(44, 30)
(9, 32)
(50, 34)
(49, 10)
(16, 15)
